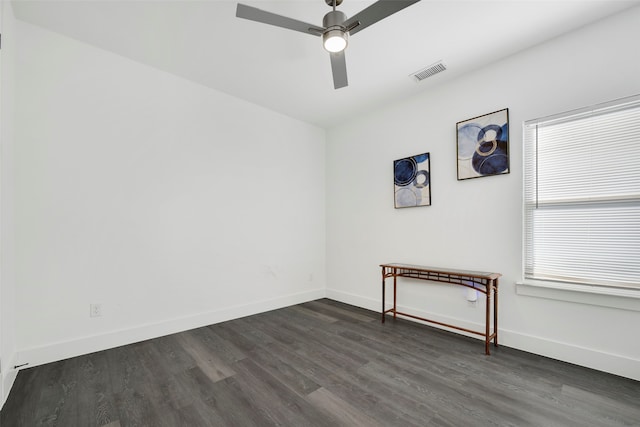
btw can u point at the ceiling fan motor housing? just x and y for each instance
(334, 31)
(335, 18)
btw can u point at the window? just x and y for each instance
(582, 196)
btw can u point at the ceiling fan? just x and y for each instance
(335, 29)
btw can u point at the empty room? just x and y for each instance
(319, 212)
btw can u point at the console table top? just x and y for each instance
(478, 274)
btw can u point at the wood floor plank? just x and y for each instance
(198, 415)
(296, 322)
(268, 358)
(501, 402)
(233, 406)
(338, 412)
(287, 409)
(314, 314)
(359, 390)
(224, 349)
(243, 336)
(272, 327)
(166, 355)
(210, 364)
(89, 397)
(196, 385)
(35, 399)
(602, 409)
(340, 312)
(134, 409)
(321, 363)
(174, 393)
(123, 367)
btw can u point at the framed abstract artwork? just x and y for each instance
(412, 181)
(483, 145)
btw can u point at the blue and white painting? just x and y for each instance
(412, 181)
(483, 145)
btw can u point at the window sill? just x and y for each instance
(625, 299)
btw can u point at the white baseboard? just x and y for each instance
(9, 375)
(353, 299)
(595, 359)
(63, 350)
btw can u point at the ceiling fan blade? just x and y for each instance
(259, 15)
(376, 12)
(339, 69)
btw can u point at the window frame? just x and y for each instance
(611, 295)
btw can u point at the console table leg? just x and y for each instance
(495, 312)
(383, 293)
(487, 322)
(395, 292)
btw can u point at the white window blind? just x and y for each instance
(582, 196)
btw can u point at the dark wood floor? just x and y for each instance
(321, 363)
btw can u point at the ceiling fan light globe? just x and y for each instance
(334, 41)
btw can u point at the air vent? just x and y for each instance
(429, 71)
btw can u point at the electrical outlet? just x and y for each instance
(472, 295)
(95, 310)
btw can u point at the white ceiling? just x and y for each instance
(288, 71)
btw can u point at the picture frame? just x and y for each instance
(412, 181)
(482, 145)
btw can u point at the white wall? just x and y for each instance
(7, 261)
(175, 206)
(476, 224)
(170, 204)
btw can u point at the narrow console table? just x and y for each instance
(487, 283)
